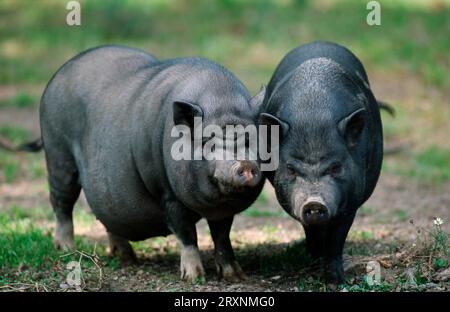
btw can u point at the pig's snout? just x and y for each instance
(314, 212)
(246, 174)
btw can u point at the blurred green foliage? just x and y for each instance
(250, 36)
(20, 100)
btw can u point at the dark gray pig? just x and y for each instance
(331, 144)
(106, 121)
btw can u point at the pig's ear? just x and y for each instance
(351, 127)
(257, 100)
(184, 113)
(269, 120)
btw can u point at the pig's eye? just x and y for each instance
(290, 171)
(335, 169)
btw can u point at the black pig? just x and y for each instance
(106, 121)
(330, 144)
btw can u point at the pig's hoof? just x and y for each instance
(64, 244)
(335, 278)
(231, 272)
(191, 265)
(335, 281)
(126, 258)
(121, 248)
(64, 236)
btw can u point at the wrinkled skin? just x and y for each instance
(106, 119)
(330, 144)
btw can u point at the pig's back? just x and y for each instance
(89, 88)
(318, 49)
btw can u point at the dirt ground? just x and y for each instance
(258, 240)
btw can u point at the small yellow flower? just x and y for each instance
(438, 221)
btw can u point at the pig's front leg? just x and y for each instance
(326, 243)
(226, 264)
(181, 222)
(316, 241)
(337, 235)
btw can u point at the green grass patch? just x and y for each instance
(400, 214)
(20, 100)
(13, 165)
(22, 243)
(366, 211)
(17, 213)
(83, 217)
(262, 198)
(151, 244)
(10, 170)
(258, 213)
(310, 283)
(440, 263)
(365, 287)
(358, 235)
(432, 165)
(412, 37)
(15, 134)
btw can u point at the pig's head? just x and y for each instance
(228, 115)
(323, 123)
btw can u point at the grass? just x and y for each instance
(20, 100)
(431, 165)
(9, 164)
(15, 134)
(259, 208)
(434, 163)
(258, 213)
(26, 166)
(360, 235)
(401, 215)
(27, 257)
(16, 213)
(232, 27)
(83, 217)
(365, 211)
(365, 287)
(10, 171)
(13, 164)
(150, 245)
(22, 243)
(29, 260)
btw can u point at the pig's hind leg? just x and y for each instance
(121, 248)
(64, 191)
(227, 266)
